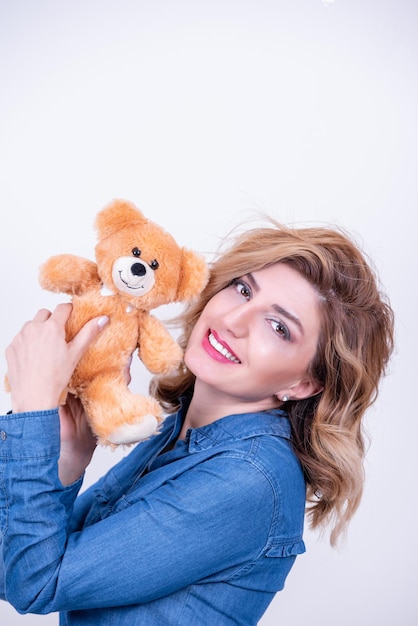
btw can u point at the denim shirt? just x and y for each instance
(204, 533)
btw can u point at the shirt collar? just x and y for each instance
(273, 422)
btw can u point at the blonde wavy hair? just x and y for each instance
(355, 343)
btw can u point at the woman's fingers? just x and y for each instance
(42, 315)
(86, 336)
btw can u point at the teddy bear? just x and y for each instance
(139, 266)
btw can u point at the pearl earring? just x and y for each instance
(285, 398)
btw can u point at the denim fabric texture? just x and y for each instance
(204, 533)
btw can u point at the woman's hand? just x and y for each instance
(40, 361)
(77, 441)
(40, 364)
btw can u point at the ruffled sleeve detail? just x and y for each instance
(291, 549)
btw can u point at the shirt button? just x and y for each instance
(3, 435)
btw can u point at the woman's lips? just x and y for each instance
(218, 350)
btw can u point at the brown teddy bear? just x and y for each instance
(138, 267)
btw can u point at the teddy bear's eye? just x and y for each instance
(136, 251)
(154, 265)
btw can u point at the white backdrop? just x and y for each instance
(200, 111)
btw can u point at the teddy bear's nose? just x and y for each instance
(138, 269)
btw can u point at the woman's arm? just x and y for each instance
(40, 363)
(189, 528)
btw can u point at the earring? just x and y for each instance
(285, 398)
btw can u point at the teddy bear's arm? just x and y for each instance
(68, 273)
(157, 349)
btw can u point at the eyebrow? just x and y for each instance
(279, 309)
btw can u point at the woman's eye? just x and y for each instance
(280, 329)
(242, 288)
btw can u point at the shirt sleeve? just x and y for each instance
(210, 521)
(34, 505)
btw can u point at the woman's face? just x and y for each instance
(255, 339)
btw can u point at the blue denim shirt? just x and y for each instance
(204, 533)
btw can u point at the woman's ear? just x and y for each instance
(300, 391)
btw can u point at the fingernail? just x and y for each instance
(102, 321)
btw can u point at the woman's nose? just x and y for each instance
(238, 320)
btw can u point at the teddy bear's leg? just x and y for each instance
(131, 433)
(116, 415)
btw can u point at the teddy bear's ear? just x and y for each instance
(194, 275)
(117, 215)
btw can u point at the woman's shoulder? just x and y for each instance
(261, 440)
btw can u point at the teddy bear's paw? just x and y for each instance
(131, 433)
(176, 357)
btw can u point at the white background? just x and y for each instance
(202, 112)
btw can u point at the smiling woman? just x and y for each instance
(284, 350)
(314, 288)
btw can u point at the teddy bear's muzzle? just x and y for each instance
(134, 278)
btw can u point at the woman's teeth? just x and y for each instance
(222, 350)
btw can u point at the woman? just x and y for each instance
(202, 523)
